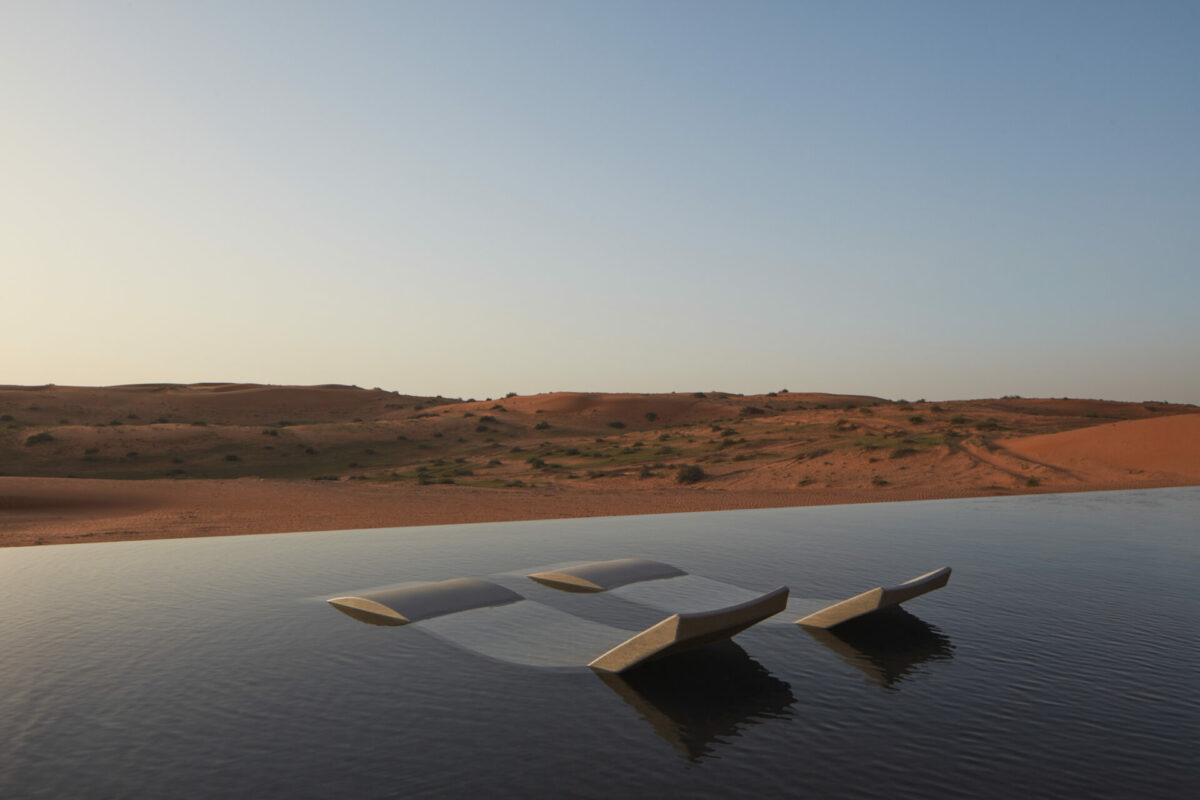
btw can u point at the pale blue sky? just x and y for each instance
(941, 200)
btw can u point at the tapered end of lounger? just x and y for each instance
(424, 601)
(876, 599)
(600, 576)
(684, 631)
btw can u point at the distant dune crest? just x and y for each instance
(344, 456)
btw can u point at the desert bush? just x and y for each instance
(959, 419)
(916, 419)
(901, 452)
(310, 451)
(541, 426)
(232, 457)
(1032, 481)
(700, 395)
(39, 438)
(510, 394)
(689, 474)
(749, 411)
(651, 416)
(616, 423)
(6, 418)
(482, 428)
(878, 481)
(270, 432)
(131, 454)
(488, 420)
(91, 451)
(645, 472)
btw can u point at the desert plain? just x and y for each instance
(147, 461)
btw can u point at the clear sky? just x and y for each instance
(907, 199)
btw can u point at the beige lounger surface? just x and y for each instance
(424, 601)
(684, 631)
(600, 576)
(876, 599)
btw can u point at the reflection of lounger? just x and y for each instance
(496, 621)
(876, 599)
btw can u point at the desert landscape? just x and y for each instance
(88, 464)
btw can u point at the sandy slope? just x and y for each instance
(244, 457)
(1167, 449)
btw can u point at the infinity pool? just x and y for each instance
(1061, 660)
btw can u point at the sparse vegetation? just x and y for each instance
(689, 474)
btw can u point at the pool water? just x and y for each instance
(1061, 660)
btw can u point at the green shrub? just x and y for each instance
(689, 474)
(39, 438)
(651, 416)
(1032, 481)
(749, 411)
(616, 423)
(541, 426)
(901, 452)
(916, 419)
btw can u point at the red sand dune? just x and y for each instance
(1164, 447)
(340, 457)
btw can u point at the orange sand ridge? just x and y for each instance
(87, 464)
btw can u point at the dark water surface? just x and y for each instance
(1061, 661)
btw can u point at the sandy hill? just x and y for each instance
(557, 454)
(1166, 448)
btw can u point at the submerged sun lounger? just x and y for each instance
(876, 599)
(425, 601)
(433, 602)
(600, 576)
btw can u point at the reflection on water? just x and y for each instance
(701, 698)
(888, 646)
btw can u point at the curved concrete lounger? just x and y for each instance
(684, 631)
(600, 576)
(427, 601)
(876, 599)
(424, 601)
